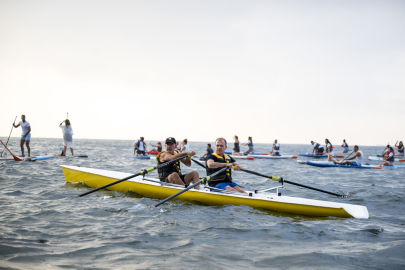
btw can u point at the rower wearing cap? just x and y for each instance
(400, 151)
(172, 173)
(140, 147)
(319, 148)
(389, 156)
(349, 161)
(219, 160)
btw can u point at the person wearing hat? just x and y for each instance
(140, 147)
(158, 147)
(172, 173)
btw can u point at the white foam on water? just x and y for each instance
(106, 197)
(162, 210)
(136, 208)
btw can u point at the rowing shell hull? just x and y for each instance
(318, 156)
(95, 178)
(275, 157)
(331, 164)
(380, 158)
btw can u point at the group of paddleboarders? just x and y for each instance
(141, 147)
(215, 161)
(236, 148)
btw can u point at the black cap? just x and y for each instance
(171, 140)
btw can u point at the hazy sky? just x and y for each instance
(292, 70)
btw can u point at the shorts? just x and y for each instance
(400, 153)
(277, 152)
(68, 144)
(354, 163)
(26, 138)
(224, 185)
(236, 149)
(390, 163)
(167, 180)
(250, 148)
(345, 150)
(320, 149)
(140, 152)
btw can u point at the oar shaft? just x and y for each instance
(317, 189)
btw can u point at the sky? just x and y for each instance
(295, 71)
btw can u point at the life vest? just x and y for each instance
(165, 171)
(331, 147)
(225, 176)
(345, 145)
(159, 148)
(276, 147)
(139, 143)
(390, 159)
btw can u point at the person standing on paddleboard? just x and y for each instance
(276, 147)
(349, 161)
(140, 147)
(318, 149)
(172, 173)
(400, 151)
(345, 146)
(208, 152)
(249, 143)
(25, 136)
(219, 160)
(329, 149)
(389, 157)
(236, 148)
(67, 132)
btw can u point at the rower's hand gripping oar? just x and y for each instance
(143, 172)
(207, 178)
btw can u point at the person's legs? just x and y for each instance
(27, 143)
(174, 178)
(235, 189)
(192, 177)
(22, 147)
(64, 151)
(71, 150)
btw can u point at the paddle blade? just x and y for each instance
(15, 158)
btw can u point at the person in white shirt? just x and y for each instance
(318, 149)
(349, 161)
(276, 147)
(67, 132)
(26, 134)
(140, 147)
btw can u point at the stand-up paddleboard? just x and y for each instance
(258, 153)
(80, 156)
(380, 158)
(275, 157)
(139, 157)
(243, 157)
(318, 156)
(31, 158)
(331, 164)
(43, 157)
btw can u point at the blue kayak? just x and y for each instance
(141, 157)
(330, 164)
(312, 155)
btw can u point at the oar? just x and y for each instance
(15, 158)
(9, 136)
(207, 178)
(281, 180)
(143, 172)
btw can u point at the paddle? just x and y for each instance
(143, 172)
(9, 136)
(281, 180)
(207, 178)
(379, 167)
(15, 158)
(396, 148)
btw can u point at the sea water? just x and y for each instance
(45, 225)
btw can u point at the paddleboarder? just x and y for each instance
(329, 149)
(318, 149)
(389, 157)
(249, 143)
(276, 148)
(219, 160)
(236, 148)
(172, 173)
(400, 147)
(140, 147)
(208, 152)
(67, 132)
(185, 147)
(25, 136)
(345, 146)
(158, 147)
(358, 155)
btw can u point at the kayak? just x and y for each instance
(152, 152)
(380, 159)
(276, 157)
(243, 157)
(273, 201)
(140, 157)
(331, 164)
(319, 156)
(258, 153)
(81, 156)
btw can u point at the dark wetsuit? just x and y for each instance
(236, 147)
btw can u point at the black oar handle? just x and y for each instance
(191, 186)
(199, 163)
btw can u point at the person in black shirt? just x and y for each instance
(208, 152)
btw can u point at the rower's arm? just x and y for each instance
(164, 157)
(237, 166)
(213, 165)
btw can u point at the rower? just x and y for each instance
(172, 173)
(345, 147)
(219, 160)
(318, 149)
(349, 161)
(140, 147)
(329, 149)
(400, 151)
(276, 147)
(208, 152)
(389, 157)
(25, 136)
